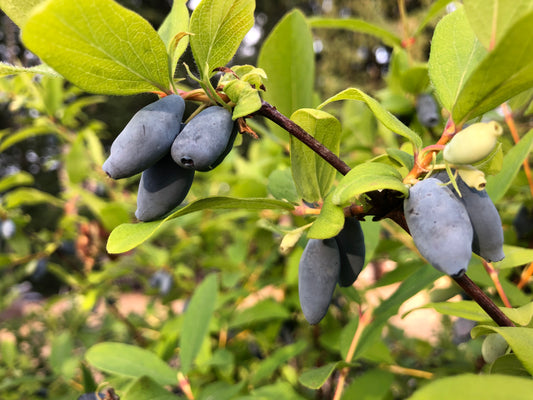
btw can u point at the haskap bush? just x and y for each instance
(146, 138)
(206, 140)
(440, 226)
(487, 241)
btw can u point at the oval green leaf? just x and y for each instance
(99, 46)
(218, 27)
(469, 386)
(312, 175)
(365, 178)
(131, 361)
(196, 321)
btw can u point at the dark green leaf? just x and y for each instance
(315, 378)
(196, 321)
(131, 361)
(278, 358)
(263, 311)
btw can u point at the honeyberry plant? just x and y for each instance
(442, 192)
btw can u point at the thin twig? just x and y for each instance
(497, 284)
(364, 321)
(483, 300)
(270, 112)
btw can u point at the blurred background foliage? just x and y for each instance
(61, 293)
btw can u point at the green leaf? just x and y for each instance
(21, 178)
(176, 22)
(24, 134)
(196, 321)
(61, 359)
(76, 162)
(495, 79)
(375, 384)
(508, 364)
(497, 185)
(8, 69)
(518, 338)
(515, 256)
(29, 196)
(312, 175)
(329, 223)
(434, 10)
(389, 307)
(455, 53)
(316, 377)
(128, 236)
(147, 388)
(365, 178)
(288, 59)
(469, 386)
(99, 46)
(130, 361)
(18, 11)
(281, 185)
(218, 27)
(277, 359)
(263, 311)
(357, 25)
(386, 118)
(491, 19)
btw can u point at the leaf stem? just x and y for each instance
(497, 284)
(483, 300)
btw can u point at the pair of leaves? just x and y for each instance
(105, 48)
(469, 79)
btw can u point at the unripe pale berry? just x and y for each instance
(473, 143)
